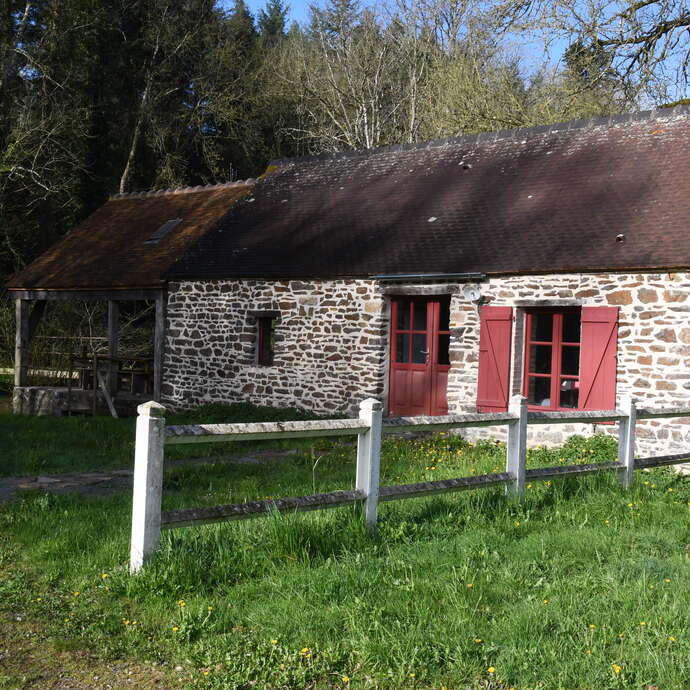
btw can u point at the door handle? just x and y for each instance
(424, 352)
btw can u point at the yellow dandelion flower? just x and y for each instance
(470, 585)
(182, 603)
(210, 608)
(606, 522)
(517, 523)
(345, 679)
(76, 594)
(546, 601)
(667, 580)
(592, 626)
(205, 673)
(491, 669)
(671, 638)
(413, 675)
(104, 576)
(274, 641)
(621, 636)
(643, 623)
(304, 650)
(175, 628)
(477, 640)
(616, 668)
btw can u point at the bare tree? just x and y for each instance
(648, 40)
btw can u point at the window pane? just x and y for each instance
(444, 316)
(542, 327)
(402, 346)
(540, 359)
(570, 361)
(443, 345)
(420, 316)
(404, 315)
(571, 327)
(419, 348)
(539, 391)
(569, 392)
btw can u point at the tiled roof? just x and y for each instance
(587, 195)
(109, 250)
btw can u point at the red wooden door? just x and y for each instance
(420, 337)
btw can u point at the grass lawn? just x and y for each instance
(582, 586)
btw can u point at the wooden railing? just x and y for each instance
(152, 435)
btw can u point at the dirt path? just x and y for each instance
(106, 483)
(31, 661)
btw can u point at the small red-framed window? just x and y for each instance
(265, 340)
(552, 358)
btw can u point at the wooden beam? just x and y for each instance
(113, 344)
(208, 433)
(543, 473)
(241, 511)
(662, 460)
(126, 295)
(21, 343)
(442, 486)
(104, 387)
(159, 345)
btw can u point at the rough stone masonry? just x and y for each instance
(331, 343)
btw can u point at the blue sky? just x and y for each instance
(299, 9)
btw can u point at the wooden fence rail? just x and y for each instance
(152, 436)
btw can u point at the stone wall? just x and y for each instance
(331, 344)
(653, 344)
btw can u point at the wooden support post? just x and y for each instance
(21, 343)
(113, 344)
(369, 458)
(148, 484)
(37, 312)
(626, 441)
(516, 450)
(159, 345)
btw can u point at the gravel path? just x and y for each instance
(108, 482)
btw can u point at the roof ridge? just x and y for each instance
(183, 190)
(660, 113)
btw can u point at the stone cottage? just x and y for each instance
(447, 276)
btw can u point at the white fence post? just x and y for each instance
(369, 458)
(626, 441)
(516, 450)
(148, 483)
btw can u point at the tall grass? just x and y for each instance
(582, 586)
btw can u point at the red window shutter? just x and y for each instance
(598, 346)
(495, 334)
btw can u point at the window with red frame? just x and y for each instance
(265, 340)
(552, 358)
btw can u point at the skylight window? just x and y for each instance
(163, 231)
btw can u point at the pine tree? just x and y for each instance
(273, 20)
